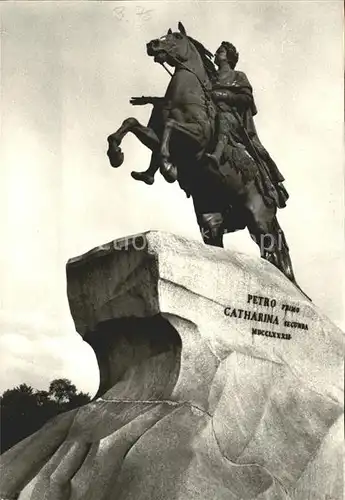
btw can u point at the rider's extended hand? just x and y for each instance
(140, 101)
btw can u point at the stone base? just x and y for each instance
(218, 380)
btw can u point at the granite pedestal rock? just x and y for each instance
(195, 401)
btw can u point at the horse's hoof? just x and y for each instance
(142, 176)
(115, 156)
(169, 172)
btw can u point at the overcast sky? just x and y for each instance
(68, 70)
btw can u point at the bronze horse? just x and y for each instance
(225, 199)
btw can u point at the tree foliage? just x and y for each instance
(62, 390)
(24, 409)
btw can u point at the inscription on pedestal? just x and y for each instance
(270, 314)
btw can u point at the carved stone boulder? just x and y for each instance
(219, 379)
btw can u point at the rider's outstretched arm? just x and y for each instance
(143, 100)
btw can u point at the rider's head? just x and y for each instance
(228, 52)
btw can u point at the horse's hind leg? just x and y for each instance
(211, 228)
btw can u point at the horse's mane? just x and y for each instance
(206, 57)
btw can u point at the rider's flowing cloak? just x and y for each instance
(269, 179)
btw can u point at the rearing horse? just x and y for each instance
(224, 200)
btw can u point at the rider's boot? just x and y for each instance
(168, 171)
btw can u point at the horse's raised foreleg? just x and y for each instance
(146, 136)
(168, 170)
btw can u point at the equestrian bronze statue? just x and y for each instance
(202, 134)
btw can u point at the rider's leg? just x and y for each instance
(223, 126)
(219, 150)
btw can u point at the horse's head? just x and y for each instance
(173, 48)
